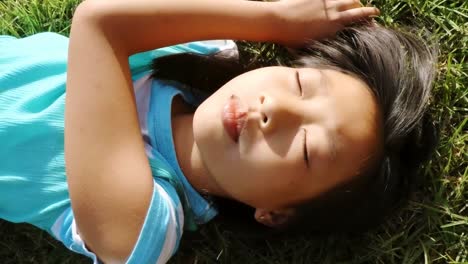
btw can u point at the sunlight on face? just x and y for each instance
(303, 132)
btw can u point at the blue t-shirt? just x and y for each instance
(33, 185)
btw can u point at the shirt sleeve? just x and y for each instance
(159, 237)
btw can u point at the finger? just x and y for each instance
(343, 5)
(356, 14)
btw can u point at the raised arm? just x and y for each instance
(109, 177)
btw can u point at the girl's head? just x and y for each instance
(305, 130)
(333, 140)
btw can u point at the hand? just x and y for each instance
(302, 20)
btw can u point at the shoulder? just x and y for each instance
(163, 227)
(158, 238)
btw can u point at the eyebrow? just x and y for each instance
(324, 81)
(305, 149)
(332, 138)
(332, 141)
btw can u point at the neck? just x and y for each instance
(189, 158)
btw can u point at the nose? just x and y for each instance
(278, 111)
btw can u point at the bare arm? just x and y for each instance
(108, 173)
(109, 177)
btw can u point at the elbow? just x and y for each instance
(91, 12)
(102, 18)
(85, 11)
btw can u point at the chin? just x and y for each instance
(205, 126)
(198, 128)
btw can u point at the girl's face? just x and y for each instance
(302, 132)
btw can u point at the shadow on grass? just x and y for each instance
(24, 243)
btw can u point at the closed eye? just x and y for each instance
(306, 153)
(299, 82)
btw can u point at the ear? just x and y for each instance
(273, 218)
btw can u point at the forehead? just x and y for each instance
(357, 121)
(355, 110)
(353, 128)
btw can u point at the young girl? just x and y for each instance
(117, 174)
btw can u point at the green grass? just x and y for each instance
(433, 228)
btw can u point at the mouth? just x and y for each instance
(234, 117)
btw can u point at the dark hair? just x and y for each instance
(399, 68)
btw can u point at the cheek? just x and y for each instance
(264, 180)
(275, 172)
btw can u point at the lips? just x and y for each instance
(234, 117)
